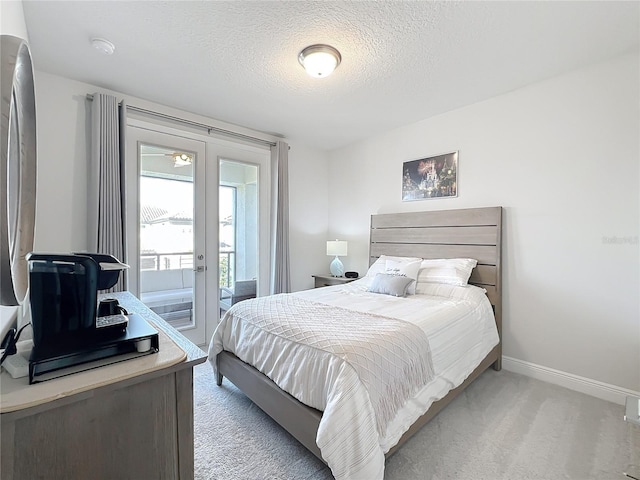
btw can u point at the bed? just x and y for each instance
(451, 234)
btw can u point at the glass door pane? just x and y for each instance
(166, 222)
(238, 230)
(227, 231)
(167, 236)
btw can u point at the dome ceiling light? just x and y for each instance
(104, 46)
(319, 60)
(182, 159)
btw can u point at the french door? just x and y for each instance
(189, 242)
(243, 220)
(165, 227)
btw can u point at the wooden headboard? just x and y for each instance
(466, 233)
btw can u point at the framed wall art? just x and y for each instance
(430, 177)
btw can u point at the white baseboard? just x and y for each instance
(605, 391)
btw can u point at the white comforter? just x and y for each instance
(459, 325)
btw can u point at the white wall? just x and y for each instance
(309, 221)
(562, 158)
(63, 143)
(62, 116)
(12, 19)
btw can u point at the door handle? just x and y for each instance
(200, 268)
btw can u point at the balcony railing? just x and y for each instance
(227, 268)
(166, 261)
(179, 260)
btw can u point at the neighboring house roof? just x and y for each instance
(152, 214)
(182, 217)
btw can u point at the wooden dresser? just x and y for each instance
(136, 425)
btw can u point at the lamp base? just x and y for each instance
(336, 268)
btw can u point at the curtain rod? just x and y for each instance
(208, 128)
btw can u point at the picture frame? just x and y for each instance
(430, 177)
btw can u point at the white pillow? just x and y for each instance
(467, 293)
(386, 284)
(452, 271)
(405, 269)
(380, 265)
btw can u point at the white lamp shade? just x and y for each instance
(337, 248)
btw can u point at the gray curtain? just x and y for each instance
(106, 200)
(280, 272)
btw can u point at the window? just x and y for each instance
(228, 208)
(166, 223)
(238, 222)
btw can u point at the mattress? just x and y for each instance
(457, 321)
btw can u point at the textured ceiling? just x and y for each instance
(401, 61)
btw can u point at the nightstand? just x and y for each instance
(328, 280)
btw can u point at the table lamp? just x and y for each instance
(337, 248)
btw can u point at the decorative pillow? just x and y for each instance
(380, 264)
(452, 271)
(388, 284)
(405, 269)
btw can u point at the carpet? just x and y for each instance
(504, 426)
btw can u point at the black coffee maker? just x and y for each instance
(71, 333)
(63, 295)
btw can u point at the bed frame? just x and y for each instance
(468, 233)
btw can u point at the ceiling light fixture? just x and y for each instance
(319, 60)
(181, 160)
(104, 46)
